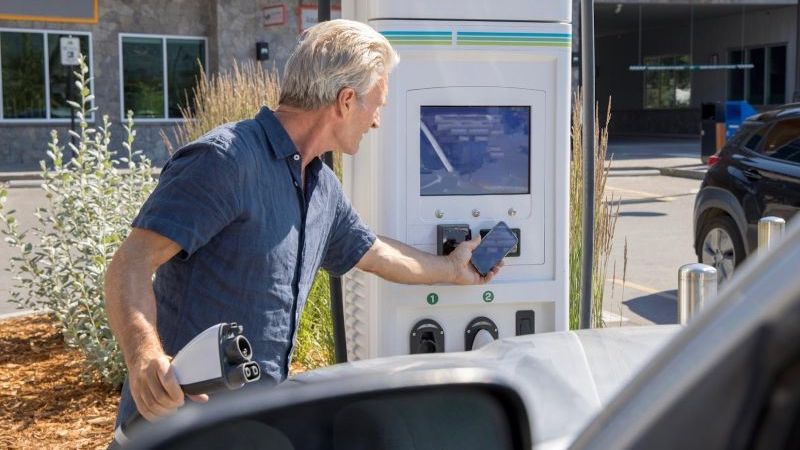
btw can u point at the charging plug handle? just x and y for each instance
(474, 328)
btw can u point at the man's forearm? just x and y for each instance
(131, 307)
(401, 263)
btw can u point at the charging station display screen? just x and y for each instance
(474, 150)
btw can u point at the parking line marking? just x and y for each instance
(642, 288)
(631, 191)
(610, 317)
(665, 198)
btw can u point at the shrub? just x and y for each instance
(315, 336)
(229, 97)
(92, 196)
(226, 97)
(605, 216)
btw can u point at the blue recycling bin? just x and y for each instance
(735, 113)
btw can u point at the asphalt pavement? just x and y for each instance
(654, 182)
(24, 196)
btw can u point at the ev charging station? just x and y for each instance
(476, 131)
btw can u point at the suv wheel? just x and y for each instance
(721, 246)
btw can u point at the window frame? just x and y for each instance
(45, 32)
(767, 63)
(661, 57)
(163, 38)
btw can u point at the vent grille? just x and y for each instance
(356, 315)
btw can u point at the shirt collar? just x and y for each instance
(279, 140)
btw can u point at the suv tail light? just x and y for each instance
(713, 159)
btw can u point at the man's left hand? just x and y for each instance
(463, 272)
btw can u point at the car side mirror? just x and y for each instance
(435, 409)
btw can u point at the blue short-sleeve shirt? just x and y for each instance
(252, 238)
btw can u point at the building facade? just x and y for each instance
(144, 55)
(695, 52)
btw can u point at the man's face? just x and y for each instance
(364, 114)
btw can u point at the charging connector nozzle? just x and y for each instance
(238, 350)
(242, 374)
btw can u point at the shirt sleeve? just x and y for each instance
(348, 241)
(196, 197)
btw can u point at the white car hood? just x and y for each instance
(564, 377)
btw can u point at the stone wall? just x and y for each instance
(22, 146)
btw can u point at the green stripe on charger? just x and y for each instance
(405, 38)
(419, 37)
(509, 38)
(532, 35)
(479, 38)
(512, 44)
(404, 42)
(416, 33)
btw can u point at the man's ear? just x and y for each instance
(345, 101)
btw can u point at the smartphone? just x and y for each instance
(493, 248)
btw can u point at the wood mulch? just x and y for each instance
(44, 403)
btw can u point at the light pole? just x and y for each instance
(587, 78)
(337, 302)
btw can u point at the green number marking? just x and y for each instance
(488, 296)
(433, 298)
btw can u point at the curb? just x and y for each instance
(14, 178)
(19, 176)
(682, 173)
(18, 314)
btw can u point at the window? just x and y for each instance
(667, 88)
(755, 139)
(159, 74)
(783, 141)
(765, 83)
(776, 75)
(34, 83)
(742, 136)
(736, 80)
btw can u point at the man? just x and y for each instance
(242, 219)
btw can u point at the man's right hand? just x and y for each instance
(154, 387)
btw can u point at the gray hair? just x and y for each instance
(331, 56)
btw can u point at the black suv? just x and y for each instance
(756, 174)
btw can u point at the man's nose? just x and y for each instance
(376, 121)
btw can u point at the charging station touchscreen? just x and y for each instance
(475, 150)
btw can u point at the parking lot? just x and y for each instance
(655, 221)
(24, 197)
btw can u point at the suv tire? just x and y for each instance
(720, 245)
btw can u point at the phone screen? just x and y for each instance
(493, 248)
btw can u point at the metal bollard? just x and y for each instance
(770, 231)
(697, 284)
